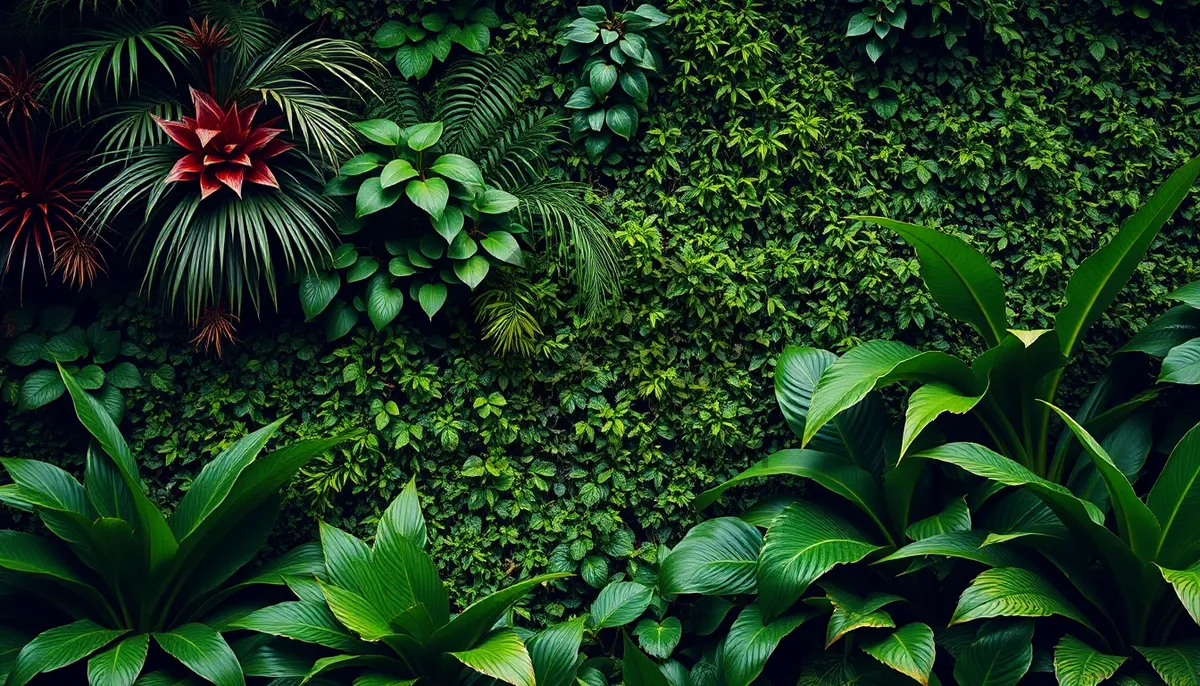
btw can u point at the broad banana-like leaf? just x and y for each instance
(35, 556)
(306, 621)
(1178, 663)
(1186, 583)
(999, 656)
(121, 664)
(852, 612)
(356, 613)
(856, 434)
(931, 401)
(403, 518)
(1128, 444)
(1013, 592)
(59, 647)
(637, 669)
(106, 488)
(1095, 284)
(619, 603)
(958, 277)
(804, 542)
(502, 656)
(873, 365)
(554, 652)
(829, 471)
(410, 574)
(1078, 664)
(751, 642)
(204, 651)
(1175, 501)
(465, 630)
(716, 557)
(967, 545)
(1174, 327)
(908, 650)
(46, 486)
(1182, 364)
(956, 517)
(1136, 522)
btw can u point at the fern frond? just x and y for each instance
(478, 95)
(516, 153)
(506, 312)
(399, 101)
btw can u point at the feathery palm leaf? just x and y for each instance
(516, 154)
(130, 125)
(399, 101)
(480, 95)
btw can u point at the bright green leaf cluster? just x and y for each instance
(414, 46)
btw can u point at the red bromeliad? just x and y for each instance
(224, 146)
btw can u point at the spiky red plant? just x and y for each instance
(225, 147)
(214, 329)
(205, 38)
(40, 196)
(77, 257)
(19, 89)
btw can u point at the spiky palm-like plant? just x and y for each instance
(136, 79)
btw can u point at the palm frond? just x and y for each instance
(506, 312)
(251, 33)
(572, 228)
(400, 101)
(130, 125)
(38, 8)
(282, 76)
(478, 95)
(515, 154)
(78, 74)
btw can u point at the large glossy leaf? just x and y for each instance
(1078, 664)
(458, 168)
(908, 650)
(501, 656)
(1136, 522)
(873, 365)
(1186, 583)
(356, 612)
(659, 638)
(373, 197)
(472, 623)
(121, 664)
(430, 195)
(830, 471)
(48, 486)
(405, 576)
(959, 278)
(1178, 664)
(716, 557)
(929, 402)
(1175, 501)
(1182, 364)
(637, 669)
(955, 517)
(852, 612)
(751, 642)
(1013, 592)
(306, 621)
(553, 652)
(805, 541)
(383, 300)
(403, 518)
(968, 545)
(204, 651)
(999, 656)
(619, 603)
(59, 647)
(1098, 279)
(33, 555)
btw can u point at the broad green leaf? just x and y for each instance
(502, 246)
(1186, 583)
(407, 577)
(582, 99)
(968, 545)
(998, 656)
(204, 651)
(304, 621)
(90, 377)
(804, 542)
(462, 246)
(373, 197)
(414, 60)
(834, 473)
(26, 349)
(659, 639)
(929, 402)
(619, 603)
(959, 278)
(601, 78)
(715, 557)
(59, 647)
(48, 486)
(430, 195)
(637, 669)
(474, 37)
(860, 24)
(395, 172)
(317, 289)
(423, 136)
(851, 612)
(501, 656)
(403, 518)
(1078, 664)
(38, 389)
(1136, 522)
(1178, 663)
(458, 168)
(553, 652)
(432, 296)
(69, 346)
(908, 650)
(751, 642)
(383, 301)
(472, 271)
(873, 365)
(362, 269)
(379, 131)
(622, 119)
(1174, 327)
(495, 201)
(29, 554)
(1013, 592)
(1188, 294)
(1175, 500)
(1182, 364)
(1095, 283)
(956, 517)
(449, 225)
(636, 86)
(361, 164)
(340, 320)
(121, 664)
(462, 632)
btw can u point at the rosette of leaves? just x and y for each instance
(418, 43)
(92, 355)
(619, 53)
(493, 184)
(382, 612)
(121, 575)
(464, 227)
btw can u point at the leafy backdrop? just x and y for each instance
(770, 128)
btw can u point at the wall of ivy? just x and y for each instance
(770, 128)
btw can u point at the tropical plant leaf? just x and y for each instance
(715, 557)
(59, 647)
(1078, 664)
(121, 664)
(929, 402)
(956, 517)
(908, 650)
(1174, 502)
(851, 612)
(637, 669)
(659, 639)
(306, 621)
(751, 642)
(998, 656)
(1178, 663)
(501, 656)
(1013, 592)
(619, 603)
(204, 651)
(968, 545)
(553, 652)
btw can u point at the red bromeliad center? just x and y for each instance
(224, 146)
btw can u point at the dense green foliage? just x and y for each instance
(768, 130)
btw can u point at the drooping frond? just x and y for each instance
(130, 126)
(81, 73)
(515, 153)
(399, 101)
(572, 228)
(506, 312)
(479, 95)
(251, 34)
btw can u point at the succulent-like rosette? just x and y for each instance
(225, 147)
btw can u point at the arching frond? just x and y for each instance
(399, 101)
(79, 74)
(506, 312)
(251, 33)
(515, 153)
(130, 126)
(572, 228)
(478, 96)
